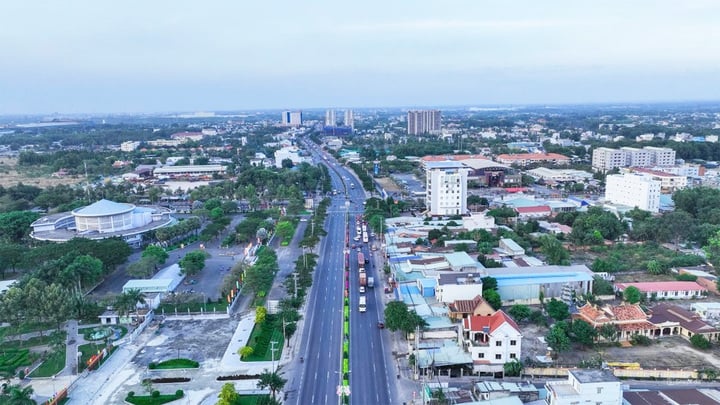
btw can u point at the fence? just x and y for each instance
(665, 374)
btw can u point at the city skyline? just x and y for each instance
(185, 56)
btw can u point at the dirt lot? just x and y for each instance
(388, 184)
(10, 175)
(197, 340)
(670, 352)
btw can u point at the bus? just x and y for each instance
(363, 304)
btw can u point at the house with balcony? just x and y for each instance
(491, 341)
(585, 386)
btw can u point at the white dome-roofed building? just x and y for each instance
(105, 216)
(102, 219)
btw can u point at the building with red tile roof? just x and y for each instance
(524, 159)
(461, 309)
(672, 290)
(492, 341)
(630, 319)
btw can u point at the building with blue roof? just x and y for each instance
(523, 285)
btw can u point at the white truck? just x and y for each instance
(371, 282)
(363, 304)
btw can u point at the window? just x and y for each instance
(498, 357)
(513, 356)
(599, 390)
(481, 355)
(498, 343)
(513, 342)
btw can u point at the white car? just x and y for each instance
(362, 289)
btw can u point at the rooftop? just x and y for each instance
(589, 376)
(447, 164)
(652, 286)
(104, 207)
(477, 323)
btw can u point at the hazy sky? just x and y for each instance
(153, 56)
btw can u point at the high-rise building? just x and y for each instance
(446, 185)
(633, 190)
(424, 122)
(330, 120)
(349, 120)
(291, 118)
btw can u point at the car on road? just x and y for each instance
(362, 289)
(381, 325)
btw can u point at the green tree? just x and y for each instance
(285, 230)
(228, 395)
(493, 298)
(17, 395)
(157, 252)
(700, 342)
(15, 225)
(712, 249)
(655, 267)
(602, 286)
(583, 333)
(12, 255)
(143, 268)
(632, 294)
(246, 351)
(55, 304)
(557, 310)
(260, 314)
(557, 338)
(273, 381)
(83, 270)
(609, 332)
(399, 317)
(554, 251)
(193, 262)
(520, 312)
(513, 368)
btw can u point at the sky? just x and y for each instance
(89, 56)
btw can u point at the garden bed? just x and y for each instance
(12, 359)
(90, 349)
(238, 377)
(168, 380)
(93, 333)
(260, 338)
(155, 399)
(174, 364)
(192, 307)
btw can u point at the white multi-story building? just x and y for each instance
(636, 157)
(330, 120)
(605, 159)
(633, 190)
(662, 156)
(291, 118)
(491, 341)
(446, 185)
(668, 182)
(585, 386)
(423, 122)
(349, 119)
(291, 153)
(129, 146)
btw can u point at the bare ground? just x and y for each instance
(666, 353)
(11, 175)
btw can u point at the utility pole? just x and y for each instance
(295, 278)
(272, 354)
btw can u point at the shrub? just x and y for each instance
(640, 340)
(131, 394)
(152, 366)
(156, 394)
(179, 393)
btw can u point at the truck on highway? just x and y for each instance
(371, 282)
(363, 304)
(363, 279)
(365, 237)
(361, 261)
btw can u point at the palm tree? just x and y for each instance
(17, 395)
(126, 303)
(272, 381)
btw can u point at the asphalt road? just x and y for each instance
(370, 357)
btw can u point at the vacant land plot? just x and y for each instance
(11, 174)
(198, 340)
(388, 184)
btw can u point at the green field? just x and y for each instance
(174, 363)
(51, 366)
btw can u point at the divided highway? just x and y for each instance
(371, 374)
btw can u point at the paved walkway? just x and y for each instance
(71, 348)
